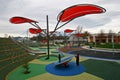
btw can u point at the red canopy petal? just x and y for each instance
(44, 41)
(79, 10)
(19, 20)
(68, 31)
(35, 31)
(79, 35)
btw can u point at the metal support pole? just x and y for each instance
(48, 37)
(59, 57)
(77, 59)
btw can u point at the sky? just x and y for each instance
(38, 9)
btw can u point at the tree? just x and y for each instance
(86, 35)
(110, 36)
(101, 36)
(26, 67)
(78, 29)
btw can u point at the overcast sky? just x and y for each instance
(38, 9)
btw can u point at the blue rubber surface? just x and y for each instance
(60, 70)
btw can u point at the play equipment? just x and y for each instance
(64, 61)
(66, 67)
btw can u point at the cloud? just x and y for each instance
(38, 9)
(113, 25)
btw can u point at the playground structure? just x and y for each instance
(65, 16)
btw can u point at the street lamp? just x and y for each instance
(113, 42)
(94, 38)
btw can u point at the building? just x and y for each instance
(76, 39)
(98, 38)
(106, 38)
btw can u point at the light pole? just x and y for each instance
(94, 38)
(113, 42)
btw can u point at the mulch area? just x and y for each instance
(91, 53)
(67, 49)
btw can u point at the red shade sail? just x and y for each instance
(68, 31)
(19, 20)
(35, 31)
(51, 32)
(44, 41)
(79, 35)
(79, 10)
